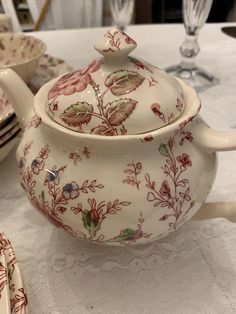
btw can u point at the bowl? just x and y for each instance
(21, 53)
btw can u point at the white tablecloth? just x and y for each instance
(191, 271)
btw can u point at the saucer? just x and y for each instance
(5, 306)
(12, 123)
(9, 135)
(6, 109)
(16, 294)
(48, 68)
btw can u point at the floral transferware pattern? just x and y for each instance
(80, 206)
(110, 102)
(56, 200)
(10, 278)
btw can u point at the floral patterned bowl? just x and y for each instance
(94, 169)
(20, 53)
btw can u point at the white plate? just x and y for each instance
(48, 68)
(6, 149)
(10, 134)
(5, 306)
(16, 294)
(13, 122)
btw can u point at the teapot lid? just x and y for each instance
(116, 94)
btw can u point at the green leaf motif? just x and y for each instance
(92, 225)
(43, 196)
(102, 130)
(119, 110)
(77, 114)
(123, 82)
(127, 233)
(163, 150)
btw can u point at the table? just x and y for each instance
(191, 271)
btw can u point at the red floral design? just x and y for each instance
(134, 169)
(147, 138)
(58, 197)
(129, 40)
(76, 155)
(156, 108)
(19, 303)
(18, 298)
(76, 81)
(186, 135)
(93, 217)
(174, 192)
(141, 65)
(184, 160)
(33, 123)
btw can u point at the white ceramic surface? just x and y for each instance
(20, 53)
(116, 189)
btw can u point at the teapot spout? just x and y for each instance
(19, 94)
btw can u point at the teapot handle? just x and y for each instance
(213, 140)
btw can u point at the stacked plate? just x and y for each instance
(9, 126)
(12, 294)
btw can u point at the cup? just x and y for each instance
(5, 23)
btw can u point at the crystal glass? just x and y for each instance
(122, 12)
(195, 14)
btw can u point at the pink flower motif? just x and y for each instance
(129, 40)
(37, 165)
(76, 81)
(189, 136)
(156, 109)
(165, 189)
(184, 160)
(70, 190)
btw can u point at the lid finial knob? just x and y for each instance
(115, 44)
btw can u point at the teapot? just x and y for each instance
(115, 153)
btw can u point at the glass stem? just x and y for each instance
(189, 50)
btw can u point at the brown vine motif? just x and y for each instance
(34, 122)
(76, 155)
(174, 192)
(19, 300)
(19, 303)
(179, 105)
(114, 39)
(113, 114)
(130, 235)
(134, 169)
(156, 109)
(185, 135)
(92, 217)
(141, 65)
